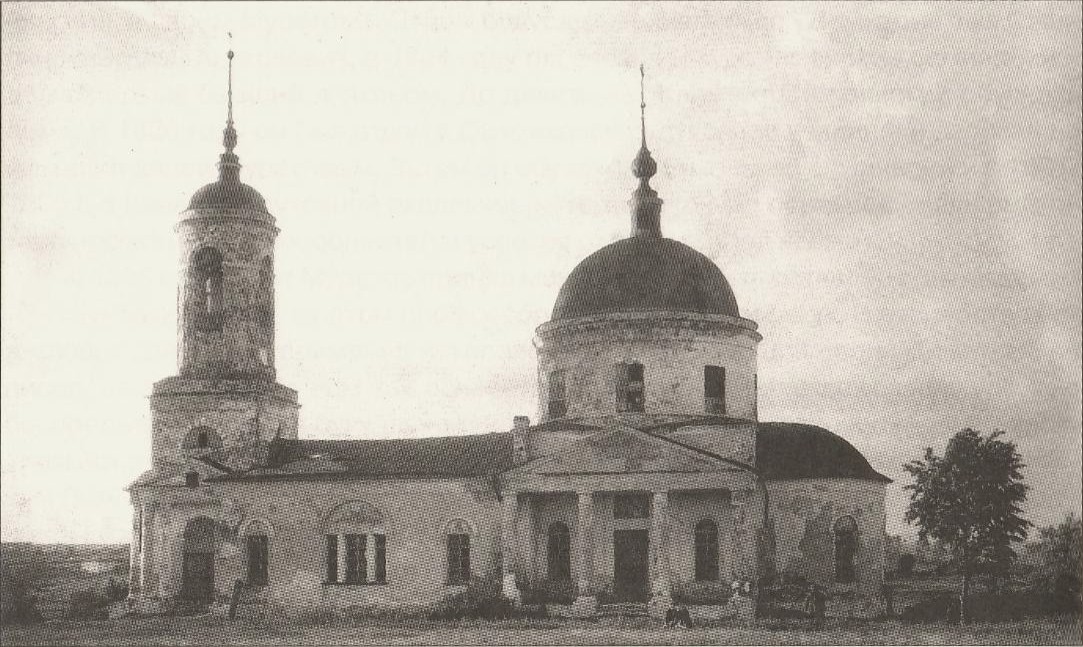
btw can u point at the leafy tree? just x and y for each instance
(1061, 563)
(969, 500)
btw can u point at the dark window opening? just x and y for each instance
(458, 558)
(630, 387)
(206, 276)
(714, 389)
(356, 564)
(332, 558)
(191, 479)
(559, 552)
(201, 440)
(845, 549)
(706, 551)
(257, 553)
(558, 405)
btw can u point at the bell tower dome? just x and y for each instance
(225, 388)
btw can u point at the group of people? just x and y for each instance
(679, 616)
(815, 605)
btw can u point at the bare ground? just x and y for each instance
(207, 630)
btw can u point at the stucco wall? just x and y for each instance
(415, 518)
(673, 352)
(802, 518)
(245, 343)
(242, 413)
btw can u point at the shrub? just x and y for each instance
(116, 590)
(546, 591)
(17, 606)
(90, 604)
(701, 593)
(905, 567)
(480, 599)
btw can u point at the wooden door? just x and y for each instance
(198, 577)
(631, 572)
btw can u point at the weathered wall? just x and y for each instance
(673, 350)
(802, 516)
(244, 413)
(415, 518)
(243, 344)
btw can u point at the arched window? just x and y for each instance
(630, 389)
(356, 545)
(559, 551)
(201, 438)
(845, 549)
(257, 553)
(206, 276)
(458, 552)
(706, 551)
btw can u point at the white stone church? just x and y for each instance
(647, 468)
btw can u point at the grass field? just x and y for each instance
(207, 630)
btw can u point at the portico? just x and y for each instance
(624, 524)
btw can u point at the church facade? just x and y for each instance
(646, 469)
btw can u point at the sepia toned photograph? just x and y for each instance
(626, 323)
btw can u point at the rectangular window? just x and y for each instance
(332, 558)
(714, 389)
(631, 506)
(356, 568)
(381, 558)
(558, 405)
(630, 387)
(458, 558)
(257, 549)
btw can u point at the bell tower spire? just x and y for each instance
(229, 165)
(645, 203)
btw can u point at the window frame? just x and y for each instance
(558, 386)
(257, 559)
(846, 546)
(714, 389)
(631, 393)
(458, 558)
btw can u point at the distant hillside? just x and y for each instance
(51, 572)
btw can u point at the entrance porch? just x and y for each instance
(624, 545)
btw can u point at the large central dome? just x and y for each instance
(645, 273)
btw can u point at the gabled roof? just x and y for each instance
(448, 457)
(622, 450)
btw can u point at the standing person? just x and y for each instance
(818, 602)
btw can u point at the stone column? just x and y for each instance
(509, 545)
(585, 603)
(341, 558)
(661, 598)
(134, 550)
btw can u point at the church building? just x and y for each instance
(646, 469)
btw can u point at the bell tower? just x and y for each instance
(224, 402)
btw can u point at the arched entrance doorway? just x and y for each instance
(197, 574)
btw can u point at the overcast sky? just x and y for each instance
(892, 190)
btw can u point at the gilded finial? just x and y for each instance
(228, 165)
(643, 167)
(642, 107)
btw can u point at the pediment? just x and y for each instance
(622, 450)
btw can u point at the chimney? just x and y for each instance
(520, 426)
